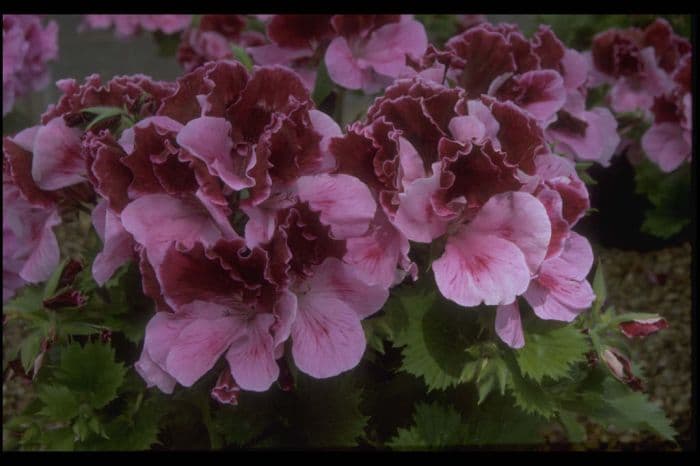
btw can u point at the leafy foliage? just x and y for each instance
(550, 350)
(669, 194)
(435, 426)
(91, 372)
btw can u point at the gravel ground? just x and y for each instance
(637, 282)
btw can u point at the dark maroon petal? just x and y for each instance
(72, 268)
(107, 174)
(548, 47)
(229, 26)
(18, 163)
(150, 284)
(486, 54)
(299, 30)
(138, 93)
(474, 171)
(350, 26)
(69, 298)
(271, 90)
(616, 53)
(643, 327)
(520, 136)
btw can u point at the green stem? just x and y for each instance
(338, 111)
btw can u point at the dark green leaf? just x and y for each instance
(52, 282)
(91, 372)
(435, 426)
(550, 350)
(323, 86)
(59, 402)
(29, 350)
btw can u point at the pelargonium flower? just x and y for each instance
(370, 51)
(295, 41)
(638, 63)
(29, 248)
(668, 142)
(129, 25)
(27, 47)
(211, 40)
(539, 74)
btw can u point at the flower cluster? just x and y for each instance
(130, 25)
(476, 175)
(649, 71)
(359, 51)
(540, 75)
(27, 46)
(221, 188)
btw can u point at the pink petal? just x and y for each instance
(57, 161)
(575, 69)
(416, 217)
(575, 260)
(545, 93)
(328, 129)
(467, 128)
(155, 220)
(45, 256)
(666, 146)
(477, 267)
(199, 346)
(411, 162)
(599, 141)
(252, 360)
(376, 255)
(519, 218)
(327, 337)
(345, 203)
(153, 374)
(272, 54)
(208, 139)
(563, 299)
(509, 328)
(118, 244)
(388, 46)
(341, 65)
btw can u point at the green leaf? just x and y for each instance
(575, 431)
(29, 350)
(658, 222)
(328, 411)
(59, 402)
(670, 195)
(600, 289)
(240, 54)
(434, 426)
(498, 421)
(28, 299)
(323, 86)
(550, 350)
(435, 338)
(167, 43)
(609, 402)
(91, 372)
(529, 395)
(52, 282)
(58, 439)
(101, 114)
(135, 433)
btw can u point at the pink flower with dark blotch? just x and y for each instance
(638, 63)
(589, 135)
(212, 40)
(29, 248)
(139, 94)
(129, 25)
(371, 57)
(228, 298)
(268, 137)
(668, 142)
(27, 47)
